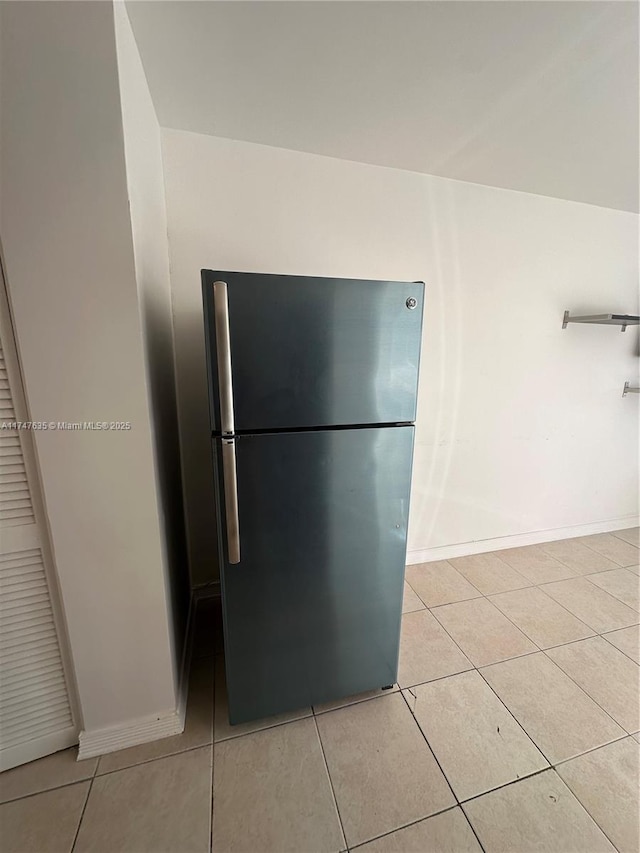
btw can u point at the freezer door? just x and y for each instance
(309, 352)
(312, 609)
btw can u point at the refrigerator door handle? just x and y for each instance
(231, 498)
(223, 352)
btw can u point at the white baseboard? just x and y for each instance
(132, 733)
(144, 729)
(481, 546)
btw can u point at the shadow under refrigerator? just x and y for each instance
(312, 391)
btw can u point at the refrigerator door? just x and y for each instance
(312, 609)
(313, 352)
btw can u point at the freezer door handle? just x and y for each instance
(223, 352)
(231, 498)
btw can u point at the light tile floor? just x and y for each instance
(514, 727)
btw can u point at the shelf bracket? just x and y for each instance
(622, 320)
(629, 389)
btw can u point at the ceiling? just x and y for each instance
(534, 96)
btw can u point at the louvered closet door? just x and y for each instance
(36, 716)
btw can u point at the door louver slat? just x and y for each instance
(29, 714)
(43, 694)
(57, 723)
(26, 613)
(28, 659)
(35, 721)
(25, 558)
(22, 688)
(23, 627)
(34, 703)
(28, 635)
(20, 599)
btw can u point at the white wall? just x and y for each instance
(67, 242)
(145, 184)
(521, 426)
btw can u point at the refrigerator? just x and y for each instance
(312, 400)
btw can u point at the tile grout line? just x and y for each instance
(529, 583)
(333, 793)
(508, 618)
(453, 640)
(561, 606)
(564, 563)
(476, 666)
(457, 571)
(539, 586)
(611, 594)
(564, 607)
(227, 738)
(84, 808)
(541, 651)
(575, 615)
(435, 757)
(472, 828)
(552, 767)
(156, 758)
(604, 637)
(110, 772)
(96, 774)
(536, 583)
(406, 826)
(617, 569)
(616, 533)
(506, 785)
(589, 751)
(584, 639)
(314, 714)
(552, 764)
(586, 810)
(473, 667)
(588, 695)
(458, 803)
(595, 701)
(434, 680)
(357, 702)
(516, 720)
(538, 650)
(595, 550)
(46, 790)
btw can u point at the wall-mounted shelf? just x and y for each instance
(629, 389)
(622, 320)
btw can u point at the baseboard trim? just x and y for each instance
(96, 742)
(481, 546)
(132, 733)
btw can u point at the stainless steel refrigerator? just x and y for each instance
(312, 391)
